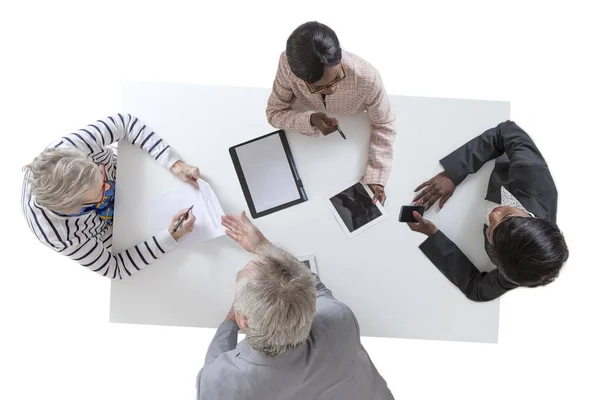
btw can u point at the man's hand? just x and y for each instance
(186, 226)
(378, 193)
(323, 122)
(186, 173)
(439, 187)
(422, 225)
(244, 232)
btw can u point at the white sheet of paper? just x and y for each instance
(267, 171)
(207, 210)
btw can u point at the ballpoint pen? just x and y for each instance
(183, 218)
(340, 131)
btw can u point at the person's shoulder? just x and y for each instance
(359, 66)
(223, 369)
(283, 67)
(226, 385)
(47, 226)
(26, 187)
(510, 124)
(283, 61)
(30, 206)
(225, 377)
(332, 314)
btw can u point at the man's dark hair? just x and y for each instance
(310, 48)
(528, 251)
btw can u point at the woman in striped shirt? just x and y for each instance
(68, 196)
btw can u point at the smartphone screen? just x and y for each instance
(406, 213)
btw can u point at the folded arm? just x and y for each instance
(506, 138)
(452, 262)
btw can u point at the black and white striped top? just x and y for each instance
(87, 238)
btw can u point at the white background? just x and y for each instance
(62, 67)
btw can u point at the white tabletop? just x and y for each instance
(381, 274)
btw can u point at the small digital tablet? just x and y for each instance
(267, 173)
(310, 262)
(354, 209)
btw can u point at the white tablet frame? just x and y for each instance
(339, 219)
(311, 260)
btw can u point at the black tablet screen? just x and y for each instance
(355, 207)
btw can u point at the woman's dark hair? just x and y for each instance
(310, 48)
(528, 251)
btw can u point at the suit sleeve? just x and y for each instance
(451, 261)
(322, 291)
(383, 134)
(225, 340)
(506, 138)
(279, 108)
(343, 313)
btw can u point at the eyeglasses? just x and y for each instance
(103, 188)
(318, 89)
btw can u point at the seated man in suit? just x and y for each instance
(316, 71)
(520, 233)
(301, 343)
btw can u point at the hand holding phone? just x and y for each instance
(406, 213)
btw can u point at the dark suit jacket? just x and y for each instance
(522, 170)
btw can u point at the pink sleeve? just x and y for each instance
(279, 108)
(383, 135)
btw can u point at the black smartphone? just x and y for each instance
(406, 213)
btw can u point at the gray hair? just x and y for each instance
(277, 295)
(60, 178)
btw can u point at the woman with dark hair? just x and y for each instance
(316, 71)
(520, 231)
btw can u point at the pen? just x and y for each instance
(340, 131)
(183, 218)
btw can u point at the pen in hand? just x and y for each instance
(337, 128)
(340, 131)
(183, 218)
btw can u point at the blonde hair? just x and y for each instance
(278, 297)
(60, 178)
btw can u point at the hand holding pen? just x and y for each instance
(325, 124)
(337, 127)
(182, 223)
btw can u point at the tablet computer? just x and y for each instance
(310, 262)
(267, 174)
(354, 209)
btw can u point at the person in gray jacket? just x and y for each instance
(301, 342)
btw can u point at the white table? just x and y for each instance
(381, 274)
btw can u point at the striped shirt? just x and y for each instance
(87, 238)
